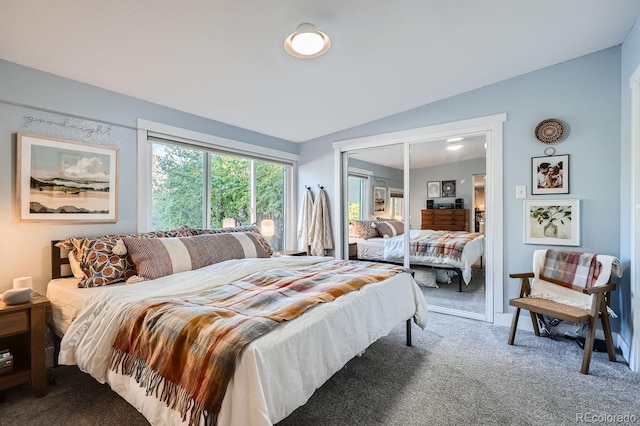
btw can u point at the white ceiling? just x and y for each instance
(224, 60)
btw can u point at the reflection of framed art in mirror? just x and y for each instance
(379, 199)
(448, 188)
(433, 189)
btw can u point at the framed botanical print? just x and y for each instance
(552, 222)
(550, 175)
(66, 181)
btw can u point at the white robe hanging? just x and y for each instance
(321, 239)
(304, 221)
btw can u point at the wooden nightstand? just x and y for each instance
(353, 250)
(22, 328)
(293, 253)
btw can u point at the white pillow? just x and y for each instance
(76, 269)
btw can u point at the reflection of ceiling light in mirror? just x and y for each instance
(485, 145)
(454, 147)
(454, 139)
(307, 42)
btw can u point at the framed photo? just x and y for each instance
(550, 175)
(433, 189)
(552, 222)
(448, 188)
(66, 181)
(379, 199)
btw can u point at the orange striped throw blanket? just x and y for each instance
(184, 349)
(447, 244)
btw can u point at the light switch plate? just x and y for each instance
(521, 191)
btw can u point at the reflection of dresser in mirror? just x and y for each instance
(478, 202)
(445, 219)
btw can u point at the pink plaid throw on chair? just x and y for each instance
(570, 269)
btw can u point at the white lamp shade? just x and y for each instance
(228, 222)
(267, 228)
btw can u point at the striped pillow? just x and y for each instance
(157, 257)
(99, 263)
(389, 228)
(247, 228)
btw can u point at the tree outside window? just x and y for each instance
(179, 190)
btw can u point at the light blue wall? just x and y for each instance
(460, 171)
(393, 178)
(56, 99)
(584, 92)
(630, 61)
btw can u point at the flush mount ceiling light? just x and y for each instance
(452, 145)
(307, 42)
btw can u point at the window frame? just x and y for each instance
(365, 175)
(396, 191)
(150, 132)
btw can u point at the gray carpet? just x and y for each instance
(470, 299)
(459, 372)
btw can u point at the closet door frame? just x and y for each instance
(492, 127)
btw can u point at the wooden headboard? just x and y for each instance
(58, 262)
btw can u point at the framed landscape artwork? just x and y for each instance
(61, 180)
(550, 175)
(552, 222)
(379, 199)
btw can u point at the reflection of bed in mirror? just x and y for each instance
(456, 250)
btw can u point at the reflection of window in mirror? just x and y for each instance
(357, 195)
(478, 202)
(396, 203)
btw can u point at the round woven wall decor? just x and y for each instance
(550, 130)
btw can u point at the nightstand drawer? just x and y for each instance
(14, 322)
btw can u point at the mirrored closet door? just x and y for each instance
(447, 249)
(424, 218)
(375, 195)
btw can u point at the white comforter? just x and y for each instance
(277, 372)
(392, 250)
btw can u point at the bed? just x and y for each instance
(456, 250)
(275, 374)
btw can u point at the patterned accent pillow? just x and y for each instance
(157, 257)
(248, 228)
(362, 229)
(100, 265)
(389, 228)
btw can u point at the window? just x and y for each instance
(358, 196)
(206, 188)
(396, 204)
(177, 187)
